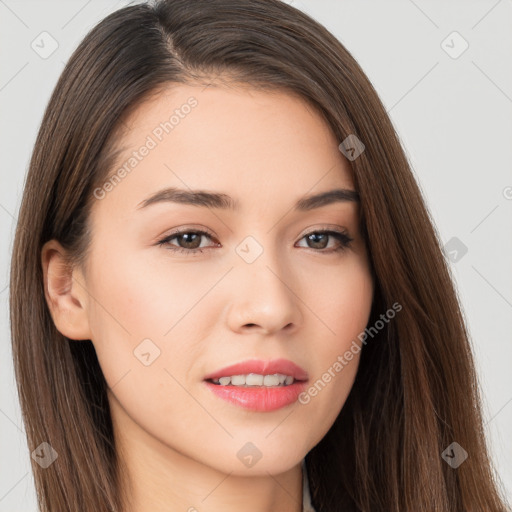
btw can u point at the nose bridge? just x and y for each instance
(265, 295)
(261, 262)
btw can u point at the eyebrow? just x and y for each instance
(223, 201)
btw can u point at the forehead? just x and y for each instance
(256, 144)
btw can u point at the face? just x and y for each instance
(177, 291)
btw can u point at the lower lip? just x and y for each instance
(259, 398)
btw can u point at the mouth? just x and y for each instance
(259, 385)
(255, 380)
(258, 372)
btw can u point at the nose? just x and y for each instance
(265, 297)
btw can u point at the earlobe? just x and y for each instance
(65, 292)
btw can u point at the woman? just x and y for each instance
(237, 297)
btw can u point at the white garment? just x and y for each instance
(306, 496)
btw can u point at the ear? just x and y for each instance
(65, 292)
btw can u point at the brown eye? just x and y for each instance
(188, 241)
(320, 240)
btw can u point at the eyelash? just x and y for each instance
(341, 236)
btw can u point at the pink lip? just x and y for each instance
(259, 398)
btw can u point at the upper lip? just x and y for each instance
(261, 367)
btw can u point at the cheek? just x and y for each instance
(343, 307)
(145, 340)
(146, 312)
(341, 300)
(145, 298)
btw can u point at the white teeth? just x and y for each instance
(238, 380)
(271, 380)
(255, 379)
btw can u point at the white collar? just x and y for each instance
(306, 496)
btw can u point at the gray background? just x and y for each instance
(453, 114)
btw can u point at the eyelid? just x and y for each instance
(323, 227)
(186, 229)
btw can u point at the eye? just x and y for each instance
(189, 241)
(320, 239)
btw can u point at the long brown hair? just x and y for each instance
(416, 389)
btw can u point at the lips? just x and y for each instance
(261, 367)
